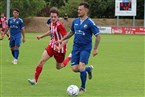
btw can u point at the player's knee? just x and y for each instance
(58, 67)
(42, 62)
(12, 48)
(16, 47)
(81, 69)
(74, 70)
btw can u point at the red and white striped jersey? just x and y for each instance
(0, 23)
(4, 22)
(58, 31)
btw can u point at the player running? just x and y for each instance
(4, 23)
(82, 29)
(0, 25)
(16, 26)
(57, 50)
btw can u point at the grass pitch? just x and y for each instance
(118, 69)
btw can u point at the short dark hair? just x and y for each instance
(16, 9)
(85, 4)
(54, 10)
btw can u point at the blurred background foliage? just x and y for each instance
(98, 8)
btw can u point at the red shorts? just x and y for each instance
(59, 57)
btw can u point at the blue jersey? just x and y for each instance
(15, 27)
(83, 32)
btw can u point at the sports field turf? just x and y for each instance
(118, 69)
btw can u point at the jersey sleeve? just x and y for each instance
(62, 30)
(94, 28)
(8, 22)
(21, 24)
(72, 27)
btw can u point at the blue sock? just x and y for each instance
(88, 69)
(16, 53)
(13, 53)
(83, 77)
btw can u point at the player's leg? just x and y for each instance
(40, 65)
(60, 61)
(12, 51)
(84, 56)
(16, 54)
(59, 57)
(48, 53)
(3, 30)
(89, 71)
(66, 60)
(2, 34)
(12, 45)
(83, 76)
(7, 33)
(39, 68)
(17, 42)
(75, 60)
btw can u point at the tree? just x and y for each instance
(26, 7)
(140, 9)
(97, 7)
(49, 4)
(56, 3)
(70, 8)
(106, 8)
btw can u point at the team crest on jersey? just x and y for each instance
(10, 21)
(85, 26)
(17, 22)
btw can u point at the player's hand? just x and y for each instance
(57, 48)
(95, 52)
(24, 40)
(59, 41)
(38, 37)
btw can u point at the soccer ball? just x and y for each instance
(72, 90)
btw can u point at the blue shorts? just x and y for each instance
(15, 42)
(80, 56)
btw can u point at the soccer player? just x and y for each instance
(16, 26)
(57, 50)
(82, 29)
(0, 25)
(3, 20)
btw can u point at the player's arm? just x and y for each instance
(96, 32)
(63, 32)
(67, 36)
(48, 33)
(97, 41)
(62, 44)
(64, 40)
(23, 34)
(22, 29)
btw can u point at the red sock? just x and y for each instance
(65, 62)
(37, 72)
